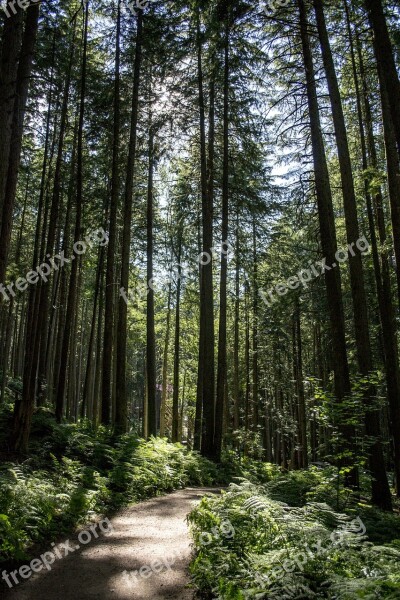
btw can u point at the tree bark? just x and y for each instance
(10, 53)
(380, 487)
(17, 130)
(175, 399)
(236, 374)
(72, 291)
(385, 59)
(109, 318)
(207, 298)
(164, 392)
(329, 245)
(150, 324)
(299, 384)
(121, 416)
(222, 372)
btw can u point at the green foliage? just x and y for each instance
(234, 466)
(10, 543)
(293, 487)
(144, 469)
(75, 473)
(289, 550)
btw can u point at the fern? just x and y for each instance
(282, 551)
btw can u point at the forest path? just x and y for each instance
(152, 534)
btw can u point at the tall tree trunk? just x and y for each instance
(386, 310)
(255, 332)
(86, 396)
(121, 416)
(222, 354)
(10, 52)
(99, 357)
(175, 399)
(164, 392)
(236, 374)
(72, 291)
(380, 486)
(44, 288)
(385, 59)
(393, 169)
(381, 267)
(198, 420)
(150, 325)
(65, 273)
(299, 383)
(112, 244)
(329, 244)
(247, 359)
(14, 156)
(207, 299)
(23, 408)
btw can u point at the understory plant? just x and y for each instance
(76, 473)
(280, 550)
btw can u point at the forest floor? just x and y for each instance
(152, 536)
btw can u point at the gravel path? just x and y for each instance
(151, 536)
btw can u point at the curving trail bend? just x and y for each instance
(145, 556)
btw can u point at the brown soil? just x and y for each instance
(151, 534)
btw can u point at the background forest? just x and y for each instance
(200, 242)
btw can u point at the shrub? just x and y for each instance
(75, 472)
(287, 551)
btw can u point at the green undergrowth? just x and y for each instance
(73, 474)
(283, 540)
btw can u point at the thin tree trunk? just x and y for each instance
(301, 403)
(72, 292)
(222, 371)
(150, 324)
(44, 289)
(255, 332)
(164, 392)
(109, 318)
(198, 421)
(64, 273)
(236, 383)
(207, 298)
(121, 417)
(175, 399)
(91, 349)
(247, 360)
(99, 357)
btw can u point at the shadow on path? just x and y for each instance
(151, 534)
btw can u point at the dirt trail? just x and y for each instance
(150, 534)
